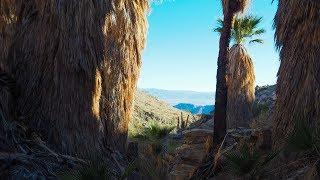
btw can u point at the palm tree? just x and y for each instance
(230, 9)
(76, 63)
(241, 76)
(297, 24)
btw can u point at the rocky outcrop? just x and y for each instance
(265, 94)
(196, 144)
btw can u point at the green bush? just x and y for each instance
(248, 162)
(96, 169)
(259, 108)
(304, 138)
(154, 131)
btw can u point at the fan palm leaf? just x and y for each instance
(244, 29)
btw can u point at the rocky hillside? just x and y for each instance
(266, 94)
(148, 108)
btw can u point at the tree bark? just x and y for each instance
(221, 88)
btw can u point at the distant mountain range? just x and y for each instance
(202, 102)
(207, 109)
(175, 97)
(190, 101)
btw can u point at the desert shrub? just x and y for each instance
(97, 169)
(154, 131)
(247, 162)
(304, 139)
(173, 145)
(153, 147)
(259, 108)
(94, 170)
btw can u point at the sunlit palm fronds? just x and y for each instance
(244, 29)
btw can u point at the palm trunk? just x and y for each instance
(221, 89)
(298, 35)
(77, 63)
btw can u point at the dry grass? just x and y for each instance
(297, 24)
(241, 88)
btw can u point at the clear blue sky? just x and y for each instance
(182, 49)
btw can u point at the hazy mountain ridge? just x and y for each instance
(202, 102)
(175, 97)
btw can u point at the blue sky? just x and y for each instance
(182, 49)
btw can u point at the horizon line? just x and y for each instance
(164, 89)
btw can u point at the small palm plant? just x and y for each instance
(97, 169)
(154, 134)
(153, 131)
(248, 162)
(304, 139)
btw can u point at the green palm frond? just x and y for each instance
(259, 32)
(219, 27)
(96, 169)
(129, 169)
(249, 161)
(153, 132)
(269, 158)
(256, 41)
(244, 29)
(304, 138)
(243, 163)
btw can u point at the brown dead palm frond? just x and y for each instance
(241, 91)
(77, 63)
(24, 155)
(297, 25)
(236, 6)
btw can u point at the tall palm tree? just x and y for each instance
(240, 76)
(230, 9)
(76, 63)
(297, 24)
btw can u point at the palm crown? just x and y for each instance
(244, 28)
